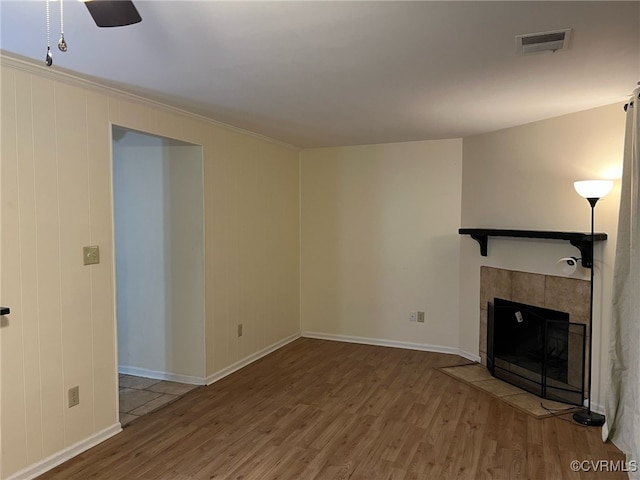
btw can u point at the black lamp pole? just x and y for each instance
(589, 418)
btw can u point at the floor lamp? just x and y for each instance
(592, 190)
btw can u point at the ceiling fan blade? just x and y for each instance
(113, 13)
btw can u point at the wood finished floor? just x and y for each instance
(328, 410)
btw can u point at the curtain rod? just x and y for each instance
(626, 105)
(630, 104)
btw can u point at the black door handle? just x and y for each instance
(5, 310)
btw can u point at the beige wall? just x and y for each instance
(379, 239)
(522, 178)
(56, 197)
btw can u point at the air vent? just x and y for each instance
(543, 42)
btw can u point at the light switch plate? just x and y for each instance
(91, 255)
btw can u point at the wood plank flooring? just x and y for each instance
(328, 410)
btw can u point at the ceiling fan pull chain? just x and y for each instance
(62, 45)
(49, 59)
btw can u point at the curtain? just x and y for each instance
(622, 405)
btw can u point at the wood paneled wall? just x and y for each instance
(56, 198)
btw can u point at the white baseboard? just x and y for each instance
(469, 356)
(596, 407)
(32, 471)
(392, 343)
(171, 377)
(250, 359)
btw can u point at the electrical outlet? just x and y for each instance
(239, 329)
(74, 396)
(91, 255)
(413, 316)
(421, 317)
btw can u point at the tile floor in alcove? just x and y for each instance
(140, 395)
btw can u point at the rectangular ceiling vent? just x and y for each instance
(543, 42)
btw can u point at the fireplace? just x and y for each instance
(537, 349)
(564, 294)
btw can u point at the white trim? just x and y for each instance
(99, 85)
(250, 359)
(38, 468)
(171, 377)
(596, 407)
(469, 356)
(391, 343)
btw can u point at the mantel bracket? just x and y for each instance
(483, 240)
(585, 251)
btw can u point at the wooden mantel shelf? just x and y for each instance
(580, 240)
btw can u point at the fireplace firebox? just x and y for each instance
(536, 349)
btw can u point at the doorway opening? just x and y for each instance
(159, 258)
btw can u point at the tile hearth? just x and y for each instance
(478, 376)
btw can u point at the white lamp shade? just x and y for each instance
(593, 188)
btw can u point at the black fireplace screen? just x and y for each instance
(536, 349)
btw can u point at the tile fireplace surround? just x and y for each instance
(569, 295)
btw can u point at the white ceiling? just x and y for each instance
(346, 73)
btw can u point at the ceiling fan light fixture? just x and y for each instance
(113, 13)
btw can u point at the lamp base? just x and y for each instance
(589, 418)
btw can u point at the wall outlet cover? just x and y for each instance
(74, 396)
(91, 255)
